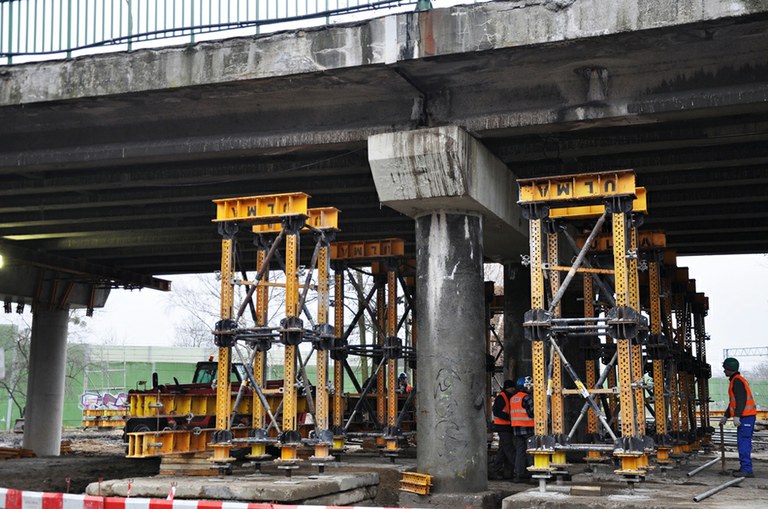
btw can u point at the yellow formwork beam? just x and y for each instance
(583, 188)
(556, 389)
(646, 241)
(322, 218)
(262, 209)
(639, 204)
(366, 249)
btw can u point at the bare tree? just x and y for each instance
(759, 372)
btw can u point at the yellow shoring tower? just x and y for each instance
(658, 349)
(385, 257)
(324, 438)
(555, 383)
(616, 191)
(339, 355)
(703, 369)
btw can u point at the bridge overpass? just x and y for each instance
(109, 163)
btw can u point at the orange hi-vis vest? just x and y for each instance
(517, 412)
(749, 406)
(500, 420)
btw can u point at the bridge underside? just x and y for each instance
(124, 177)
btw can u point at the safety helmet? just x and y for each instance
(525, 382)
(731, 364)
(402, 375)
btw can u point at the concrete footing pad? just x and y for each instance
(482, 500)
(339, 489)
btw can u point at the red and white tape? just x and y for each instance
(16, 499)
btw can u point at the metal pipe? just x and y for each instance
(604, 290)
(585, 447)
(702, 467)
(577, 263)
(575, 377)
(599, 382)
(260, 274)
(707, 494)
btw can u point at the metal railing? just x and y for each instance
(47, 29)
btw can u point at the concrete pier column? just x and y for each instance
(45, 390)
(463, 201)
(451, 432)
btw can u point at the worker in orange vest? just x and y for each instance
(521, 420)
(505, 456)
(742, 408)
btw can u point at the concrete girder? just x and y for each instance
(444, 168)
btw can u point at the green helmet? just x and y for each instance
(731, 364)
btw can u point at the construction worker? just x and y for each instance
(743, 410)
(505, 456)
(521, 421)
(403, 387)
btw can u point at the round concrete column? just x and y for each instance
(45, 390)
(451, 354)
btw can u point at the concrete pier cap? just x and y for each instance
(445, 168)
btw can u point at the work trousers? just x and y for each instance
(521, 457)
(505, 456)
(744, 442)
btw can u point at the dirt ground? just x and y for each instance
(95, 454)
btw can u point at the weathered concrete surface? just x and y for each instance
(335, 489)
(451, 437)
(45, 390)
(380, 41)
(672, 489)
(446, 168)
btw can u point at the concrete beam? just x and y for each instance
(386, 40)
(445, 168)
(24, 284)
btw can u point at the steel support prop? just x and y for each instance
(339, 357)
(555, 391)
(659, 396)
(222, 439)
(631, 462)
(391, 435)
(291, 438)
(324, 437)
(541, 453)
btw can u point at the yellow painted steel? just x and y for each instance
(556, 397)
(646, 241)
(263, 209)
(659, 403)
(291, 310)
(636, 350)
(338, 366)
(152, 444)
(639, 204)
(366, 249)
(391, 363)
(623, 344)
(323, 302)
(541, 457)
(586, 188)
(591, 364)
(321, 218)
(381, 392)
(223, 402)
(260, 359)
